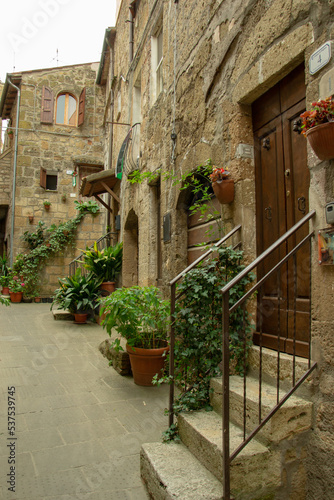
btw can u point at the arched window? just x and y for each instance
(66, 110)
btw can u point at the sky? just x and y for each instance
(32, 31)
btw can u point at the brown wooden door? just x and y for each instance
(282, 184)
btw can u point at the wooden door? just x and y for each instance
(282, 184)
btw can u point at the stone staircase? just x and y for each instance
(271, 466)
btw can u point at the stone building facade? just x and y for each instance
(59, 141)
(190, 80)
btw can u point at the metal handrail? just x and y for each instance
(227, 457)
(172, 284)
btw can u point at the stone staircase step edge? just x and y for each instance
(170, 471)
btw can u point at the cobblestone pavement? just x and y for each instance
(78, 424)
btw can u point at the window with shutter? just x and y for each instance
(82, 99)
(48, 180)
(47, 105)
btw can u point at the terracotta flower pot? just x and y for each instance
(145, 363)
(5, 290)
(80, 318)
(224, 190)
(321, 139)
(108, 287)
(38, 299)
(16, 296)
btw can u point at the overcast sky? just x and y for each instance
(33, 30)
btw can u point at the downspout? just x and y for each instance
(111, 137)
(131, 36)
(14, 169)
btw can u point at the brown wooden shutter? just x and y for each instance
(47, 105)
(82, 98)
(42, 178)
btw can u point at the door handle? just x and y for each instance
(268, 213)
(302, 204)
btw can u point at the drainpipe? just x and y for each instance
(131, 36)
(14, 169)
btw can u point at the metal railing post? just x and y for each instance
(226, 397)
(171, 355)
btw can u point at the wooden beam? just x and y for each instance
(103, 203)
(110, 191)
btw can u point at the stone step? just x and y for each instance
(171, 472)
(269, 367)
(295, 416)
(255, 470)
(61, 315)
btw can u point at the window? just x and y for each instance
(48, 179)
(66, 110)
(156, 65)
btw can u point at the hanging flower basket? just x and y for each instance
(224, 190)
(321, 139)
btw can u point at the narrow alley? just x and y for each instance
(71, 427)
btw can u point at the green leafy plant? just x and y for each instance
(34, 239)
(139, 314)
(5, 271)
(47, 203)
(87, 206)
(105, 264)
(198, 328)
(4, 301)
(77, 293)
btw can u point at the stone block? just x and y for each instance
(120, 360)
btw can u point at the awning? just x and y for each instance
(99, 183)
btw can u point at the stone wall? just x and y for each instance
(60, 150)
(219, 57)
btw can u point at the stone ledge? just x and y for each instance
(61, 315)
(120, 360)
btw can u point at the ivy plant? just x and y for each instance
(43, 244)
(198, 328)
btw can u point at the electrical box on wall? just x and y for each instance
(329, 209)
(167, 227)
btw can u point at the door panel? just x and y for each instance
(282, 184)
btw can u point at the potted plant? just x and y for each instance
(222, 185)
(47, 205)
(141, 316)
(4, 274)
(78, 294)
(16, 287)
(318, 127)
(105, 264)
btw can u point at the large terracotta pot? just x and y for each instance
(16, 296)
(80, 318)
(321, 139)
(145, 363)
(108, 287)
(224, 190)
(5, 290)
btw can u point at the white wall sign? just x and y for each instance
(320, 58)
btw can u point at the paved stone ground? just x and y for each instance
(78, 424)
